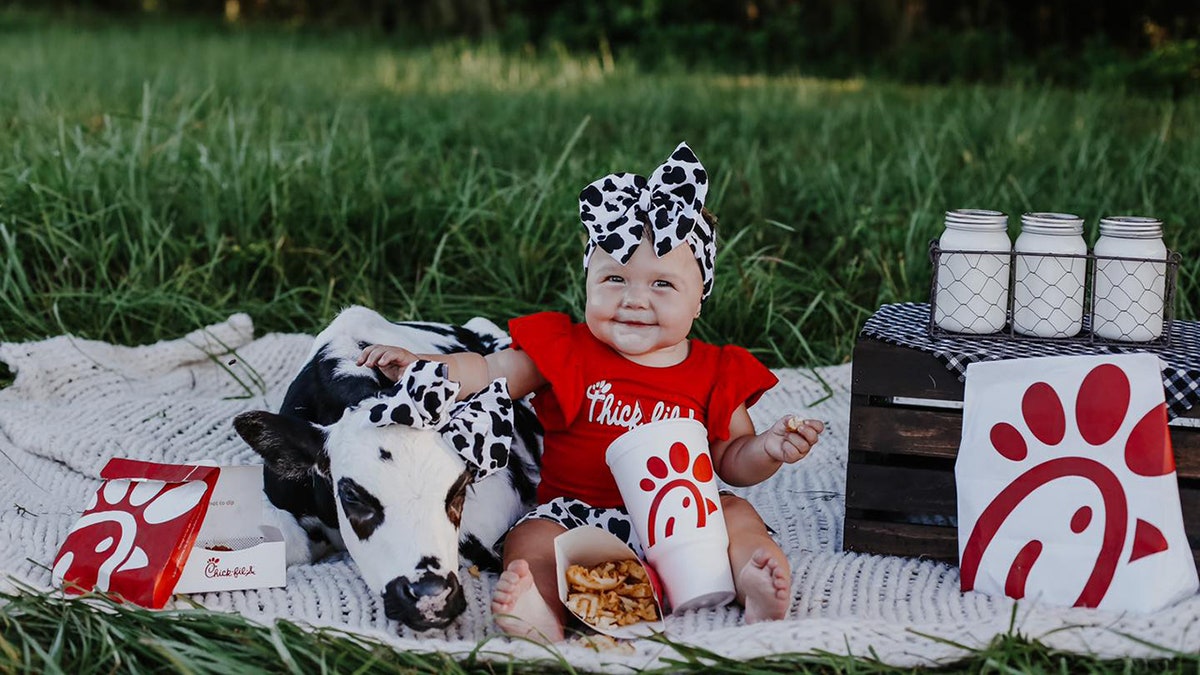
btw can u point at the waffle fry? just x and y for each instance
(795, 424)
(616, 593)
(602, 577)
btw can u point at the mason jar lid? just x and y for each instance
(1131, 227)
(1043, 222)
(977, 219)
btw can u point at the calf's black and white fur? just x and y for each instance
(404, 497)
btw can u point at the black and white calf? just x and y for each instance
(397, 474)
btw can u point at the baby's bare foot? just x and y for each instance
(765, 583)
(519, 609)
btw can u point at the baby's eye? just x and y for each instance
(614, 278)
(663, 283)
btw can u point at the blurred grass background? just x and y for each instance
(156, 177)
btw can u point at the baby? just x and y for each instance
(649, 263)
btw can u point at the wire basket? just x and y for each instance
(974, 280)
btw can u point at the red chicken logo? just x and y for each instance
(134, 537)
(1101, 408)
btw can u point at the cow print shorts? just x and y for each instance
(573, 513)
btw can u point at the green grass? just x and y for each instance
(41, 634)
(156, 178)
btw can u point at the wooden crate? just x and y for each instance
(900, 495)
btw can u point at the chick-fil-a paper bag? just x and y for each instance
(137, 531)
(1066, 484)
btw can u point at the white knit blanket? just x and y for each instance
(75, 404)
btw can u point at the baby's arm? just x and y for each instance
(472, 371)
(747, 458)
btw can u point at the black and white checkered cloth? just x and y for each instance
(907, 324)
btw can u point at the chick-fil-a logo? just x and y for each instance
(690, 474)
(132, 529)
(1101, 407)
(213, 570)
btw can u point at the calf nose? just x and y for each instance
(432, 601)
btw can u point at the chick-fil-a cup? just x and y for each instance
(665, 474)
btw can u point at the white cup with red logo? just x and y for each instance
(665, 474)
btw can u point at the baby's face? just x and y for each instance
(644, 309)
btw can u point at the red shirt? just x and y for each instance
(594, 395)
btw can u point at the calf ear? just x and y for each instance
(290, 447)
(481, 429)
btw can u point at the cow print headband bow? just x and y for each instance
(616, 208)
(479, 428)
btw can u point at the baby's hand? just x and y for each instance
(790, 439)
(390, 360)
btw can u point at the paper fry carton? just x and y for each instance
(590, 546)
(234, 549)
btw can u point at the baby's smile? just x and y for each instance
(644, 309)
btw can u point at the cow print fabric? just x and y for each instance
(573, 513)
(617, 209)
(421, 398)
(479, 428)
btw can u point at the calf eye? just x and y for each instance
(362, 508)
(456, 496)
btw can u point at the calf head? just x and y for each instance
(399, 465)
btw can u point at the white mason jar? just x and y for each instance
(1048, 278)
(1130, 294)
(972, 272)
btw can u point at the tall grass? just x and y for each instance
(154, 178)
